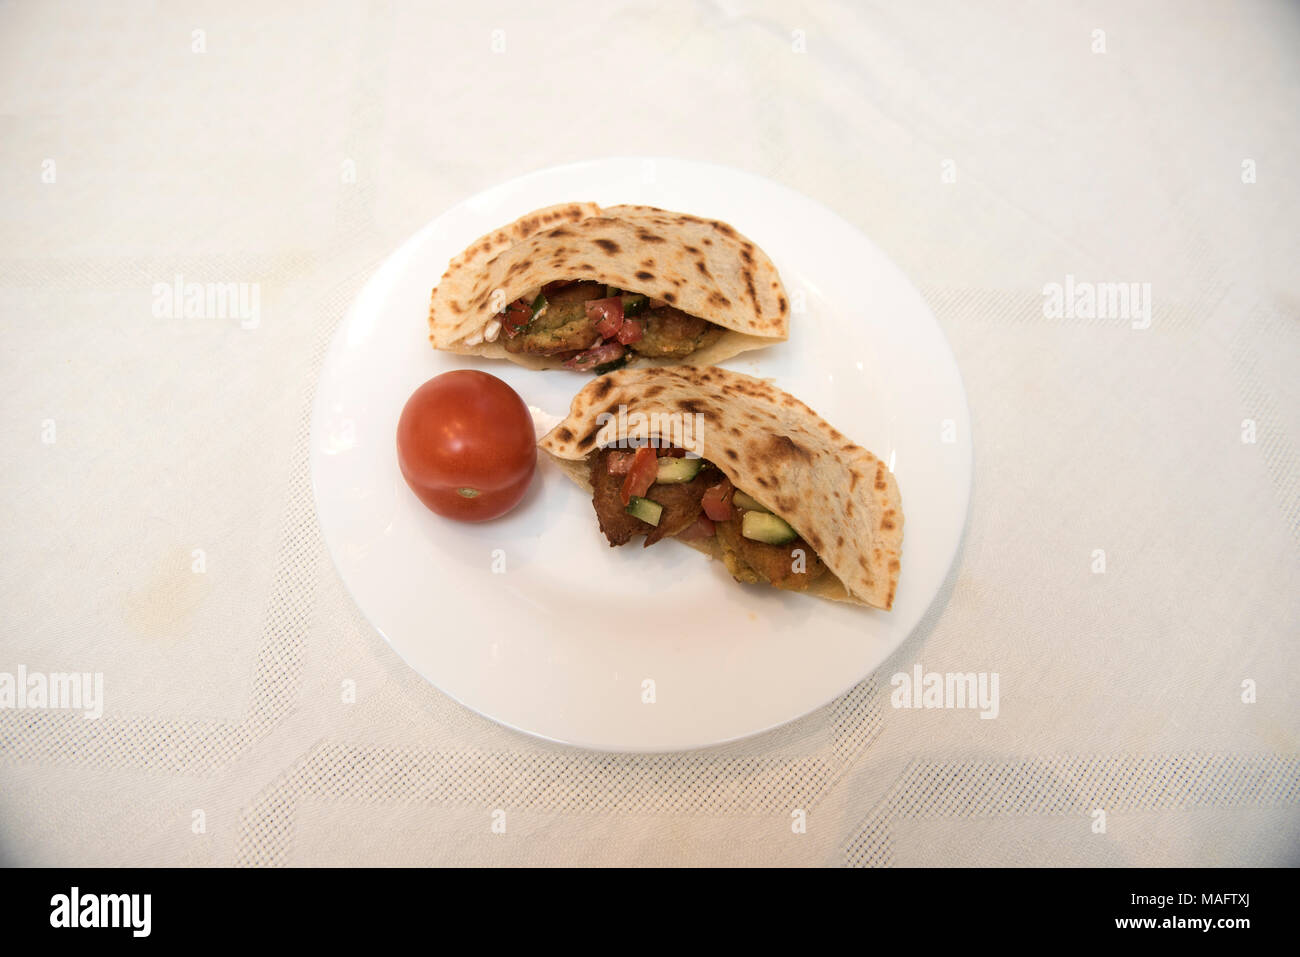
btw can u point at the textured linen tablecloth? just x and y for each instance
(158, 523)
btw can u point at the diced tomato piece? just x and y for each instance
(608, 327)
(518, 314)
(619, 462)
(701, 528)
(607, 315)
(631, 331)
(717, 501)
(641, 475)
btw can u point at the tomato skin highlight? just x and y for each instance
(466, 446)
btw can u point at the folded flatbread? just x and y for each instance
(839, 499)
(696, 289)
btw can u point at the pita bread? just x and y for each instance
(701, 266)
(838, 496)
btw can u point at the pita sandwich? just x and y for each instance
(739, 470)
(593, 289)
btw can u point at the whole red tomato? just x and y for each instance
(465, 445)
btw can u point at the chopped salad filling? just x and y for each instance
(661, 493)
(593, 326)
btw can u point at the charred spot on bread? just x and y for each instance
(692, 406)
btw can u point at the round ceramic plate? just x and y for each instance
(533, 620)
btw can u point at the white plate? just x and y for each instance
(564, 643)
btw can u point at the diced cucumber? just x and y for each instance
(612, 291)
(674, 471)
(767, 528)
(744, 501)
(538, 305)
(644, 509)
(633, 304)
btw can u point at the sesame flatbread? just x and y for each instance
(839, 498)
(683, 265)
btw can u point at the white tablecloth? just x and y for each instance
(158, 525)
